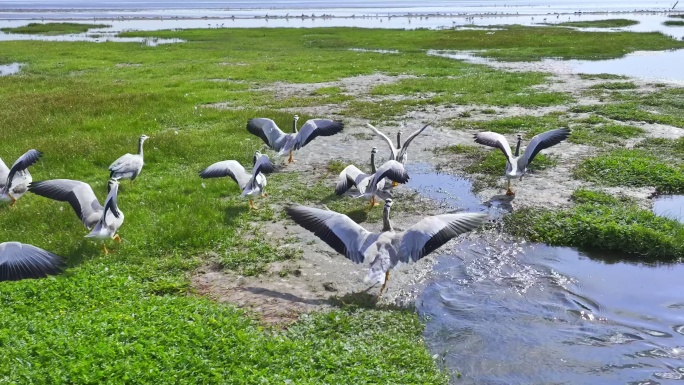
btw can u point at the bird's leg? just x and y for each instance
(385, 283)
(104, 248)
(509, 191)
(395, 184)
(117, 238)
(264, 193)
(14, 200)
(372, 202)
(251, 204)
(290, 160)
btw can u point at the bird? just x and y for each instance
(398, 153)
(387, 248)
(516, 166)
(371, 185)
(14, 181)
(251, 185)
(128, 166)
(22, 261)
(284, 143)
(102, 221)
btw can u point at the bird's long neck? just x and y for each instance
(517, 146)
(386, 224)
(294, 126)
(373, 169)
(398, 140)
(140, 146)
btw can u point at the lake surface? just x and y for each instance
(500, 312)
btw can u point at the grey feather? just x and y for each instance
(22, 261)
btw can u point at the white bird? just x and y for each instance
(387, 248)
(22, 261)
(102, 221)
(129, 166)
(251, 185)
(398, 153)
(371, 185)
(516, 166)
(284, 143)
(14, 181)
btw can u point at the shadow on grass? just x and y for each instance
(284, 296)
(233, 213)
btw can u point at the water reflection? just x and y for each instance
(669, 206)
(9, 69)
(504, 313)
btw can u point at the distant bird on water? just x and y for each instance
(129, 166)
(284, 143)
(102, 221)
(22, 261)
(14, 181)
(251, 185)
(387, 248)
(516, 166)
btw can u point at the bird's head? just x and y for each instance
(374, 150)
(111, 183)
(388, 203)
(143, 137)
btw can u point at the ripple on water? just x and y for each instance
(501, 312)
(9, 69)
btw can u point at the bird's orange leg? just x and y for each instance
(117, 238)
(290, 159)
(384, 284)
(104, 248)
(509, 191)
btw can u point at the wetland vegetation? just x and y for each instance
(134, 316)
(51, 29)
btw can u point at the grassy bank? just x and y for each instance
(603, 222)
(132, 315)
(608, 23)
(52, 29)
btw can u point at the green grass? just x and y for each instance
(615, 86)
(601, 76)
(665, 106)
(674, 23)
(515, 43)
(608, 23)
(634, 168)
(603, 222)
(51, 29)
(680, 16)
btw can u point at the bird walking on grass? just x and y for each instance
(387, 248)
(129, 166)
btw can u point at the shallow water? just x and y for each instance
(9, 69)
(647, 65)
(453, 192)
(502, 313)
(669, 206)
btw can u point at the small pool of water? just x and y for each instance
(9, 69)
(452, 191)
(669, 206)
(505, 313)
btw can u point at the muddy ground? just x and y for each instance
(322, 278)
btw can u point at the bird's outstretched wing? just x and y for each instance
(544, 140)
(393, 151)
(432, 232)
(335, 229)
(404, 147)
(25, 161)
(21, 261)
(79, 195)
(314, 128)
(492, 139)
(231, 168)
(391, 170)
(267, 130)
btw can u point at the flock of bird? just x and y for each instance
(383, 250)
